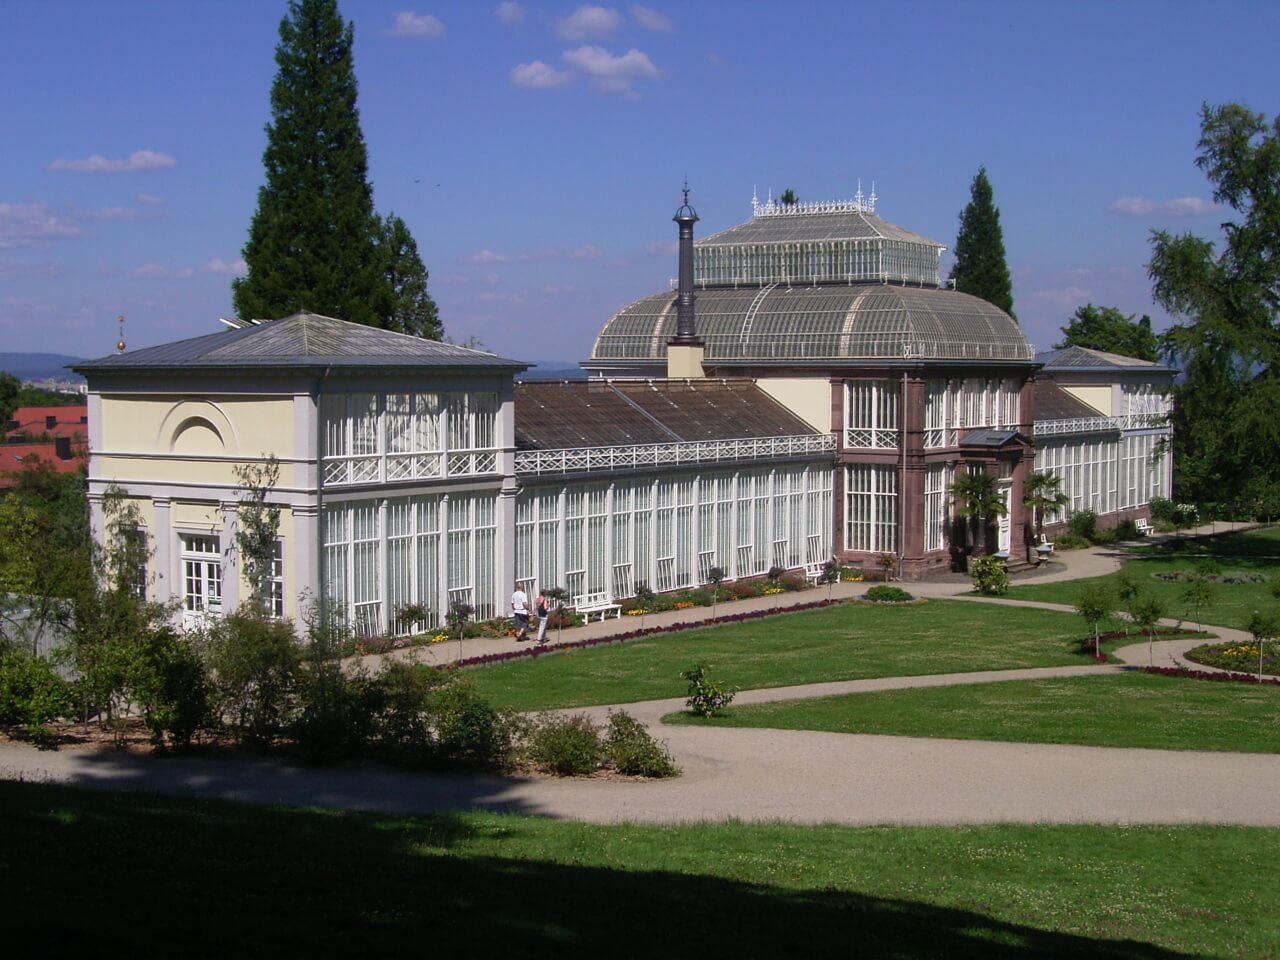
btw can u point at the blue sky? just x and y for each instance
(537, 150)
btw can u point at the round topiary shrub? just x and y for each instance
(883, 593)
(633, 751)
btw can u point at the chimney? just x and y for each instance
(685, 351)
(50, 422)
(62, 447)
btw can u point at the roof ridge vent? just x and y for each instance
(776, 208)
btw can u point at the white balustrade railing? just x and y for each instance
(1134, 421)
(594, 459)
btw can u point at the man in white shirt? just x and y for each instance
(520, 607)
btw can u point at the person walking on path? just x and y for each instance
(544, 614)
(520, 608)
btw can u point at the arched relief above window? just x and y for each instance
(194, 427)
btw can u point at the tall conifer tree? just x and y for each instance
(980, 268)
(315, 242)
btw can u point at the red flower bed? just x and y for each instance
(1207, 675)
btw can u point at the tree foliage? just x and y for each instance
(788, 197)
(1042, 493)
(980, 499)
(1109, 330)
(257, 525)
(980, 268)
(10, 386)
(315, 242)
(409, 307)
(1226, 440)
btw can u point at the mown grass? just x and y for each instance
(1249, 552)
(842, 642)
(147, 875)
(1108, 710)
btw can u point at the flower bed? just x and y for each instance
(1177, 576)
(1241, 657)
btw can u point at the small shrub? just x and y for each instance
(469, 729)
(883, 593)
(1163, 510)
(1128, 530)
(172, 687)
(744, 589)
(707, 697)
(336, 712)
(793, 582)
(255, 664)
(1069, 541)
(774, 573)
(633, 751)
(403, 730)
(1104, 536)
(31, 692)
(990, 578)
(375, 643)
(567, 746)
(564, 617)
(1083, 523)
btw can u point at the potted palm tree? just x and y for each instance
(1042, 492)
(980, 500)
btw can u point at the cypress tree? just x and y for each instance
(409, 308)
(980, 268)
(313, 242)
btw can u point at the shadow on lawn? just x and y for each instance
(140, 873)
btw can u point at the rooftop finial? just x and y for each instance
(120, 342)
(859, 204)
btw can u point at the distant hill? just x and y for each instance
(39, 366)
(553, 370)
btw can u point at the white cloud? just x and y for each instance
(510, 13)
(586, 252)
(1067, 296)
(539, 76)
(613, 74)
(152, 271)
(449, 279)
(112, 213)
(492, 278)
(588, 21)
(1177, 207)
(32, 225)
(418, 25)
(492, 297)
(552, 289)
(97, 163)
(651, 19)
(149, 199)
(236, 268)
(663, 248)
(487, 256)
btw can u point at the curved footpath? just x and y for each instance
(757, 774)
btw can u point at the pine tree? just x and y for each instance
(980, 268)
(313, 242)
(410, 308)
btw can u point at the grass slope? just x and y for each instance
(1250, 552)
(1108, 710)
(843, 642)
(159, 876)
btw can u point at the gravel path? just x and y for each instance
(770, 775)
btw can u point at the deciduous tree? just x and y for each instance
(1109, 330)
(1226, 297)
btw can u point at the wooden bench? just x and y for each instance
(589, 603)
(1143, 525)
(813, 572)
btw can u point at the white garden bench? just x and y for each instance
(813, 572)
(1143, 525)
(589, 603)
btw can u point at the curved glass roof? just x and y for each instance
(821, 323)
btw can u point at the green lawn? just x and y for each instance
(1250, 552)
(843, 642)
(158, 876)
(1107, 710)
